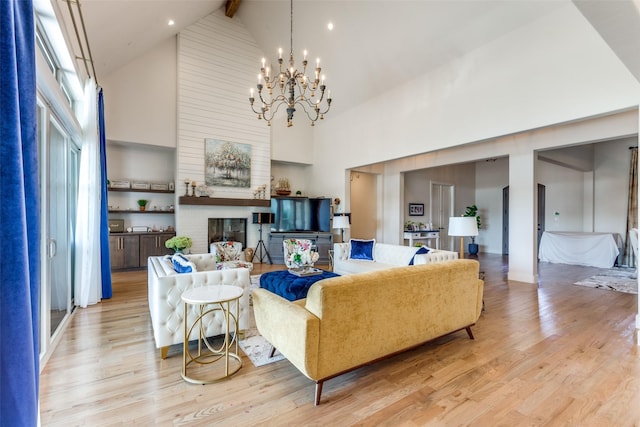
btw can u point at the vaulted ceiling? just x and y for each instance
(374, 46)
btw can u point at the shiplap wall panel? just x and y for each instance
(218, 62)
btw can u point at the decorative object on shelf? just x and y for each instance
(462, 226)
(172, 186)
(202, 191)
(341, 222)
(260, 192)
(142, 203)
(187, 181)
(472, 211)
(227, 164)
(193, 189)
(157, 186)
(292, 87)
(298, 193)
(139, 185)
(120, 184)
(416, 209)
(283, 188)
(179, 243)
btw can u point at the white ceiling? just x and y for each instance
(375, 45)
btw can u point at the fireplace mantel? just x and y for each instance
(218, 201)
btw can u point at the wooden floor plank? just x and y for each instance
(547, 354)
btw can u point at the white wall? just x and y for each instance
(555, 70)
(292, 144)
(296, 174)
(417, 188)
(216, 57)
(563, 194)
(140, 98)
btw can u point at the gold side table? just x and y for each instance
(211, 299)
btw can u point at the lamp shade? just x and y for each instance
(463, 226)
(341, 221)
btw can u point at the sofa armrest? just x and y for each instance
(290, 328)
(340, 251)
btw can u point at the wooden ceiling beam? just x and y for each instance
(231, 8)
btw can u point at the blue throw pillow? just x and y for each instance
(362, 249)
(422, 250)
(182, 265)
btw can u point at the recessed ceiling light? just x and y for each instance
(330, 26)
(171, 22)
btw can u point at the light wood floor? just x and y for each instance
(553, 354)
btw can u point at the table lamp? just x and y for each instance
(341, 222)
(463, 226)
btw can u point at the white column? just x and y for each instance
(393, 203)
(523, 266)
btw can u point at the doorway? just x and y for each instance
(441, 209)
(541, 217)
(364, 205)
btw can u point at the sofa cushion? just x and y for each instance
(422, 250)
(362, 249)
(182, 265)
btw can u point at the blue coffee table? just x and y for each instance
(290, 286)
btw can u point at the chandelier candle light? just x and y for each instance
(292, 88)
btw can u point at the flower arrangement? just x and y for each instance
(299, 254)
(179, 243)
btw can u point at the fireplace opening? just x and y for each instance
(228, 229)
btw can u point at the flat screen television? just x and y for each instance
(300, 214)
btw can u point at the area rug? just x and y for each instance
(253, 344)
(615, 279)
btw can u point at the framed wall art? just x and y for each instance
(416, 209)
(227, 164)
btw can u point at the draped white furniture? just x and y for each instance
(590, 249)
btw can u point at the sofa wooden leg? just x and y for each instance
(468, 328)
(164, 351)
(318, 392)
(273, 351)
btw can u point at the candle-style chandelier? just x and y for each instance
(292, 88)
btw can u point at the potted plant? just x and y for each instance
(143, 204)
(179, 243)
(473, 211)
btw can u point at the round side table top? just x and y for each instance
(211, 294)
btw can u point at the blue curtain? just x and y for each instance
(19, 217)
(105, 260)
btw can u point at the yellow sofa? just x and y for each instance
(349, 321)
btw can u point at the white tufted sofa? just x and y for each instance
(166, 306)
(385, 256)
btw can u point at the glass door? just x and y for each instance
(58, 227)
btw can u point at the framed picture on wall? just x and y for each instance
(416, 209)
